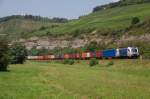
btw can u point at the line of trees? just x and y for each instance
(119, 4)
(36, 18)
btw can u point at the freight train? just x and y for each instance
(129, 52)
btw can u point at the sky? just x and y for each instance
(70, 9)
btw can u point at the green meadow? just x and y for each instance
(126, 79)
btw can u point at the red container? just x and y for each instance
(74, 56)
(47, 57)
(70, 56)
(83, 55)
(98, 54)
(66, 56)
(40, 58)
(93, 54)
(78, 56)
(35, 57)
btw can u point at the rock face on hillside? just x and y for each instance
(51, 43)
(125, 38)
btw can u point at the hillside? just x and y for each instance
(17, 26)
(104, 21)
(108, 20)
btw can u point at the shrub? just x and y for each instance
(135, 20)
(18, 53)
(110, 63)
(93, 62)
(68, 61)
(4, 60)
(42, 28)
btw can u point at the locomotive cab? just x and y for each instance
(132, 52)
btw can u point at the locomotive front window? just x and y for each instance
(134, 50)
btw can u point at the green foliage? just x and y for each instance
(18, 53)
(110, 63)
(68, 61)
(135, 20)
(68, 50)
(43, 51)
(35, 52)
(93, 62)
(93, 46)
(4, 54)
(42, 28)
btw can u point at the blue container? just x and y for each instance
(123, 52)
(109, 53)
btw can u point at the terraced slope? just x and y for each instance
(112, 19)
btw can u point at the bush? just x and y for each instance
(4, 60)
(135, 20)
(110, 63)
(93, 62)
(18, 53)
(68, 61)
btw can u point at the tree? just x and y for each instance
(4, 60)
(18, 53)
(135, 20)
(92, 46)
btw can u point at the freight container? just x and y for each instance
(111, 53)
(49, 56)
(30, 57)
(58, 56)
(83, 55)
(70, 56)
(35, 57)
(52, 57)
(88, 55)
(93, 54)
(66, 56)
(98, 54)
(62, 56)
(45, 57)
(74, 56)
(78, 56)
(40, 58)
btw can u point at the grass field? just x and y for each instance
(126, 79)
